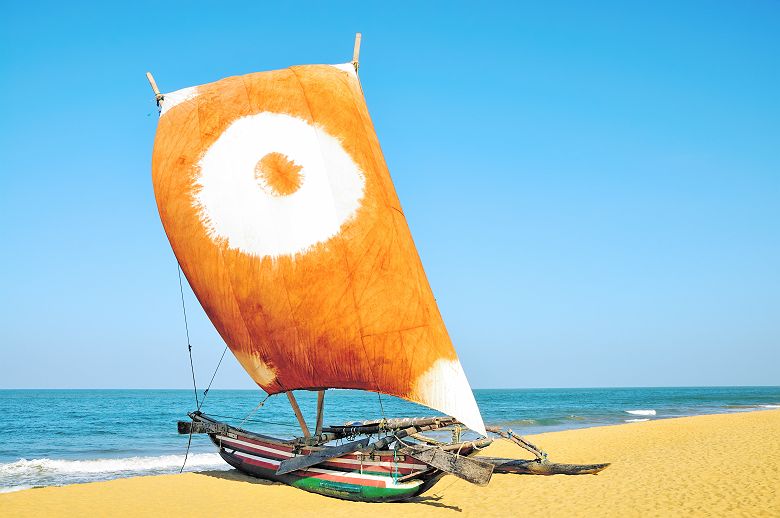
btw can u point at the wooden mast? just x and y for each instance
(298, 414)
(356, 52)
(157, 95)
(320, 410)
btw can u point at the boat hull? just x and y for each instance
(383, 477)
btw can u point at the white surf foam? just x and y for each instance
(161, 463)
(635, 420)
(770, 406)
(24, 473)
(641, 412)
(14, 488)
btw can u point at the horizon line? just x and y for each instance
(369, 391)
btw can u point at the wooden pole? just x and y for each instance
(298, 414)
(320, 412)
(157, 95)
(356, 52)
(511, 436)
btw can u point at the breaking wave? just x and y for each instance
(641, 412)
(25, 474)
(636, 420)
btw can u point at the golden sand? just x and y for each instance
(722, 465)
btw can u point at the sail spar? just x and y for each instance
(279, 206)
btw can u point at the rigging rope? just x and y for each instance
(206, 392)
(187, 453)
(189, 345)
(192, 365)
(255, 409)
(381, 406)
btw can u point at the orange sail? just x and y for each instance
(276, 199)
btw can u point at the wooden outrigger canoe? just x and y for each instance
(399, 466)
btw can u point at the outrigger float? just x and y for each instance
(277, 202)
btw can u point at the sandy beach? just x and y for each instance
(717, 465)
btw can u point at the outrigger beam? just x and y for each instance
(371, 427)
(511, 436)
(298, 414)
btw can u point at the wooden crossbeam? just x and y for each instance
(298, 414)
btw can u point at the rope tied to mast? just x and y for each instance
(206, 392)
(187, 331)
(259, 405)
(192, 365)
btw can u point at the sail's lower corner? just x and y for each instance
(444, 387)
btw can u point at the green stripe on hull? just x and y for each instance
(343, 490)
(355, 491)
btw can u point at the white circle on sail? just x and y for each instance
(319, 190)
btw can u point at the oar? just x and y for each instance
(325, 454)
(319, 456)
(470, 470)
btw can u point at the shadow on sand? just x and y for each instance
(433, 501)
(237, 476)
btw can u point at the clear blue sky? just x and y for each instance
(594, 187)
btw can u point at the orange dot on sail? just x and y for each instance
(278, 175)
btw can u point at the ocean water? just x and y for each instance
(55, 437)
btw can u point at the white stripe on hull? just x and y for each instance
(355, 462)
(388, 481)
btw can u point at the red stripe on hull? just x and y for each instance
(350, 463)
(313, 474)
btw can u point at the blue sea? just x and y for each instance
(55, 437)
